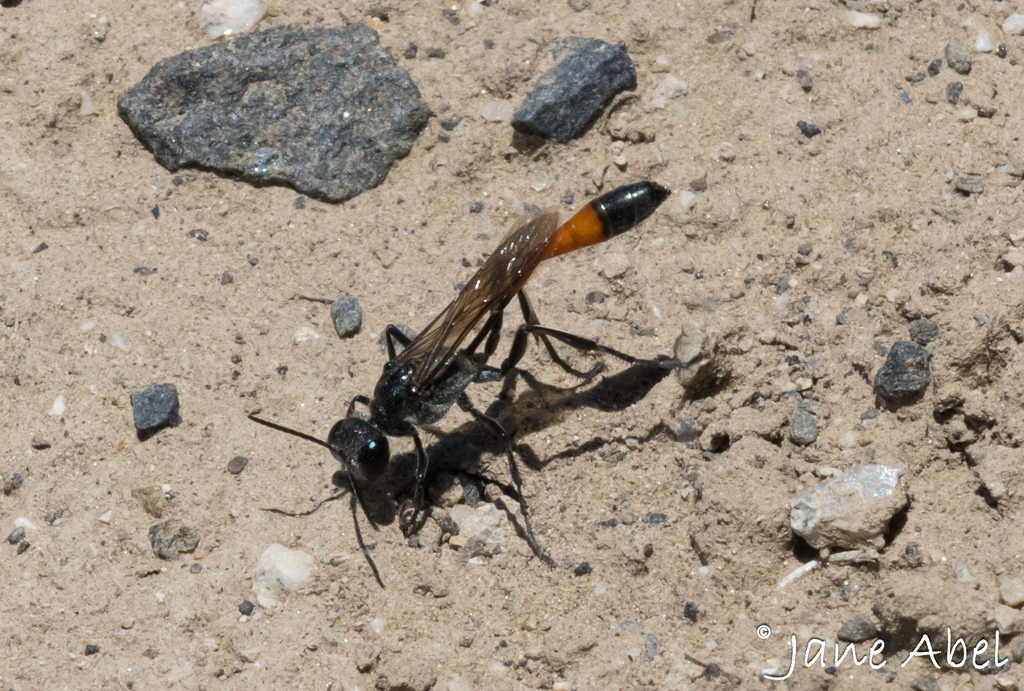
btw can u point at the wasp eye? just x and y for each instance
(373, 457)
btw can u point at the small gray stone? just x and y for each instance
(923, 331)
(685, 429)
(953, 91)
(587, 75)
(970, 185)
(156, 407)
(16, 536)
(1011, 591)
(934, 67)
(172, 538)
(324, 110)
(959, 57)
(347, 316)
(925, 682)
(803, 428)
(857, 630)
(905, 374)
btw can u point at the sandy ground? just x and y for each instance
(870, 202)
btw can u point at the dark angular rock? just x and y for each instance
(587, 75)
(325, 111)
(803, 428)
(905, 374)
(347, 316)
(809, 131)
(935, 66)
(923, 331)
(857, 630)
(156, 407)
(173, 538)
(953, 91)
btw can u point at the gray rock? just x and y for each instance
(953, 91)
(347, 316)
(803, 428)
(923, 331)
(905, 374)
(852, 510)
(325, 111)
(587, 75)
(857, 630)
(970, 185)
(173, 538)
(925, 682)
(685, 429)
(156, 407)
(959, 57)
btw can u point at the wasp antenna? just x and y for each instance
(288, 430)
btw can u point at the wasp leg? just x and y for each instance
(519, 345)
(513, 468)
(392, 335)
(352, 404)
(422, 463)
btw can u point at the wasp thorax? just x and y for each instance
(360, 447)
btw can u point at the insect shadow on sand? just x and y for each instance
(543, 406)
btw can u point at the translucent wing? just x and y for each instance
(498, 280)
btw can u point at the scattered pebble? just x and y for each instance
(851, 510)
(199, 234)
(1014, 24)
(16, 536)
(58, 407)
(280, 570)
(934, 67)
(583, 569)
(228, 17)
(864, 20)
(953, 91)
(809, 131)
(86, 106)
(484, 524)
(857, 630)
(1011, 591)
(23, 546)
(172, 538)
(188, 110)
(106, 517)
(155, 408)
(347, 316)
(246, 608)
(151, 498)
(588, 73)
(983, 43)
(905, 373)
(91, 649)
(305, 333)
(497, 111)
(923, 331)
(970, 185)
(803, 427)
(237, 464)
(666, 89)
(959, 57)
(685, 430)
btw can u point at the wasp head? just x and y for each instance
(360, 447)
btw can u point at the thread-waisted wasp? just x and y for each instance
(428, 374)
